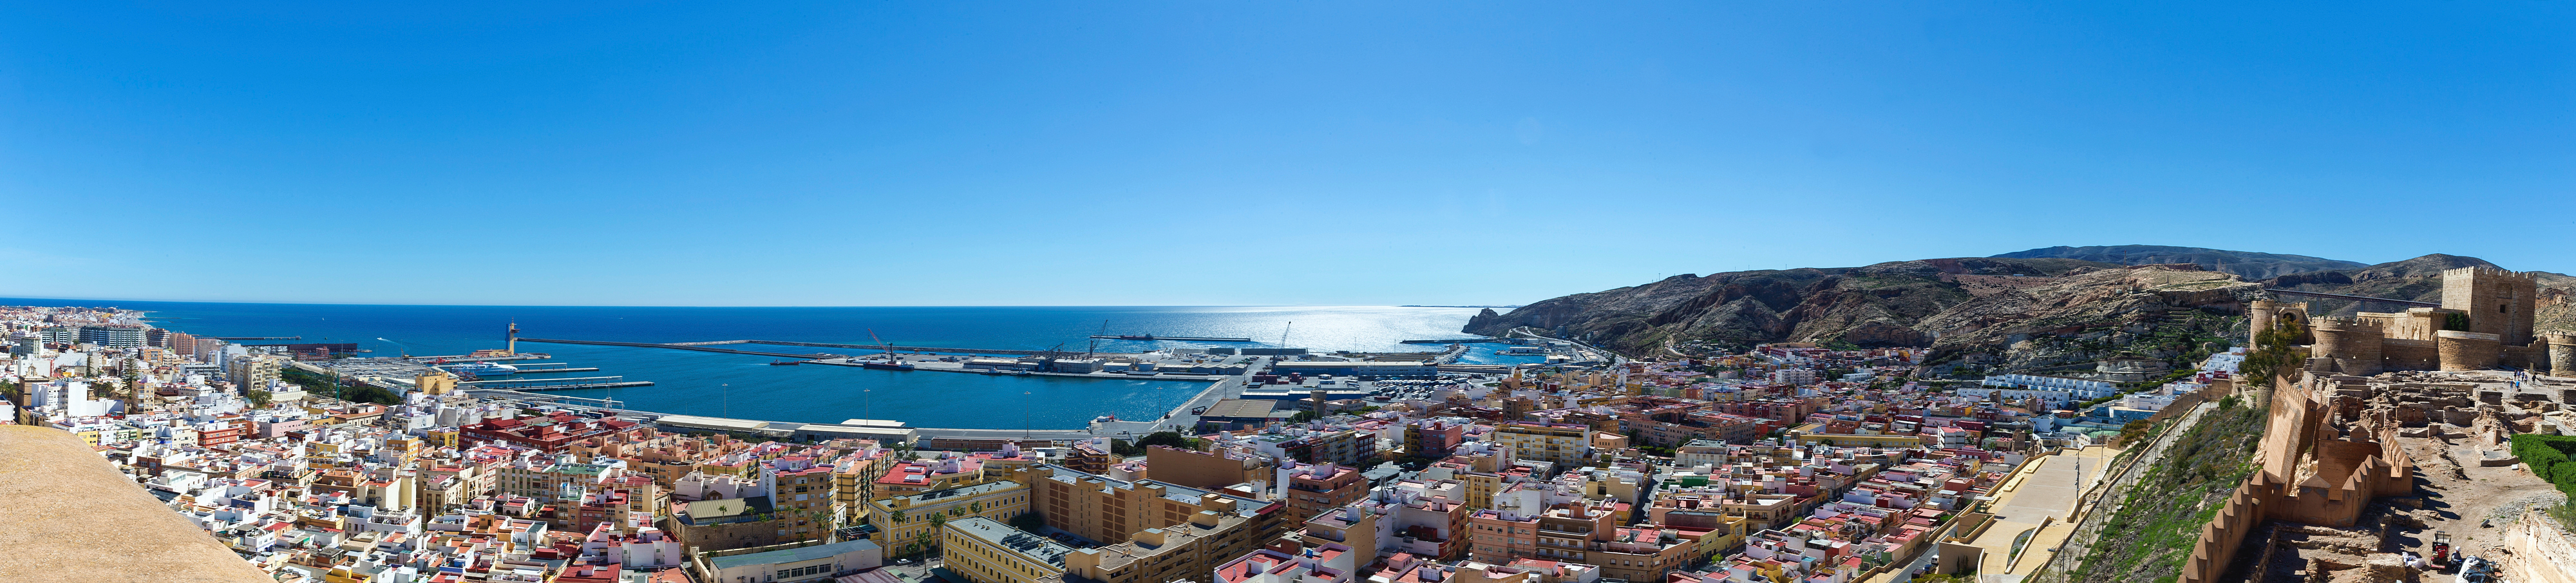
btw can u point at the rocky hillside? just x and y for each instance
(2014, 313)
(2246, 264)
(2008, 313)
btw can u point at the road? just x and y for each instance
(2089, 525)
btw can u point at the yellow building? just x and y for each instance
(986, 551)
(1562, 443)
(1187, 551)
(906, 521)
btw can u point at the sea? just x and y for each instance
(747, 387)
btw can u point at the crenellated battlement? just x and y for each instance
(2490, 271)
(2346, 323)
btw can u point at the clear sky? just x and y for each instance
(1213, 153)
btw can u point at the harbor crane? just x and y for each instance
(406, 350)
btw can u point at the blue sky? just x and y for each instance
(1203, 153)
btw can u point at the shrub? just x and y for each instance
(2547, 456)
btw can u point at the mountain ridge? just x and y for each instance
(2246, 264)
(2010, 313)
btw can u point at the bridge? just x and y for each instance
(2292, 292)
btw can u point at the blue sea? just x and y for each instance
(745, 386)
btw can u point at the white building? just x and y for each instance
(2081, 389)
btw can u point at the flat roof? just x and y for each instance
(798, 554)
(1240, 408)
(711, 422)
(1012, 539)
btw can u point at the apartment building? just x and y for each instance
(1560, 443)
(904, 522)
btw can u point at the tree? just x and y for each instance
(1303, 416)
(1168, 439)
(259, 398)
(2271, 355)
(896, 516)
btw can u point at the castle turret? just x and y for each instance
(2562, 354)
(2264, 314)
(2354, 344)
(2462, 350)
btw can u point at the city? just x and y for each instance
(1651, 291)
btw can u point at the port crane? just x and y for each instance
(406, 350)
(889, 346)
(1095, 341)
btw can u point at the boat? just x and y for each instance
(880, 365)
(784, 362)
(481, 369)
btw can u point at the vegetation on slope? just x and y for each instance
(2151, 533)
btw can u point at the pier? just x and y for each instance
(697, 346)
(1150, 337)
(254, 337)
(556, 384)
(1458, 341)
(564, 369)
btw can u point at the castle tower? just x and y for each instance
(2499, 302)
(2562, 354)
(2354, 344)
(2467, 350)
(2264, 314)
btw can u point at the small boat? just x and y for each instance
(784, 362)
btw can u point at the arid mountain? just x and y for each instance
(2018, 313)
(2012, 313)
(2246, 264)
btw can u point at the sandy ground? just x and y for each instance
(2456, 498)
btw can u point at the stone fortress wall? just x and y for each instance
(2485, 322)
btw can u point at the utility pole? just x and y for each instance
(727, 388)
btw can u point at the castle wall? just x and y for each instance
(2401, 354)
(2562, 354)
(2353, 343)
(2461, 351)
(2414, 324)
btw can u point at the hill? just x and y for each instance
(1995, 312)
(2015, 313)
(2245, 264)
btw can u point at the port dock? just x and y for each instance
(705, 347)
(556, 384)
(1150, 337)
(1457, 341)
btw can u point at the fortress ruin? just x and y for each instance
(2485, 322)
